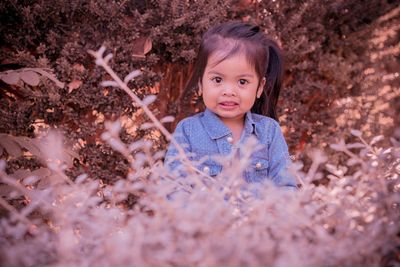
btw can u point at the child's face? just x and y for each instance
(230, 87)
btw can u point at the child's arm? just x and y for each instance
(279, 159)
(181, 136)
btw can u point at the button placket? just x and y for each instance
(229, 139)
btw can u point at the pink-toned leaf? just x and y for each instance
(356, 133)
(50, 180)
(21, 174)
(141, 46)
(109, 84)
(377, 139)
(149, 99)
(50, 76)
(75, 84)
(30, 145)
(30, 77)
(147, 46)
(44, 183)
(41, 172)
(167, 119)
(12, 148)
(139, 55)
(10, 77)
(132, 75)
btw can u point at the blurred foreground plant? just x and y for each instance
(200, 220)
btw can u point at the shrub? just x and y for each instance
(199, 220)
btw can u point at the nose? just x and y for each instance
(229, 90)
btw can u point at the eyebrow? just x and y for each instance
(220, 74)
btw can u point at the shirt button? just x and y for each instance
(229, 139)
(258, 165)
(206, 169)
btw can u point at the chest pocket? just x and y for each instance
(210, 167)
(258, 170)
(207, 165)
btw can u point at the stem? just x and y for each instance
(102, 62)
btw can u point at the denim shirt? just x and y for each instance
(204, 135)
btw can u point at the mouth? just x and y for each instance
(228, 104)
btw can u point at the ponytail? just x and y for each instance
(267, 103)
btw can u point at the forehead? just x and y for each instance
(235, 63)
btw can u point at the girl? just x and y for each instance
(238, 73)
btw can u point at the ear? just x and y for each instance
(261, 87)
(200, 86)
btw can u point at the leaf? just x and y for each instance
(11, 77)
(149, 99)
(132, 75)
(147, 46)
(146, 125)
(41, 172)
(47, 181)
(108, 58)
(376, 139)
(50, 76)
(81, 178)
(352, 161)
(355, 132)
(10, 145)
(30, 180)
(70, 155)
(135, 145)
(24, 173)
(21, 174)
(44, 183)
(29, 144)
(75, 84)
(30, 77)
(341, 146)
(109, 84)
(141, 47)
(167, 119)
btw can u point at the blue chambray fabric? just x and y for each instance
(204, 135)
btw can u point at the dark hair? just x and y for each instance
(261, 52)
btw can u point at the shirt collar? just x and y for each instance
(217, 129)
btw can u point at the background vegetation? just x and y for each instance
(342, 73)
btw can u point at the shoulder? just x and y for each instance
(264, 121)
(189, 122)
(267, 129)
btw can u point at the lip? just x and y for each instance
(228, 104)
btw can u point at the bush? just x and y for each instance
(199, 220)
(341, 72)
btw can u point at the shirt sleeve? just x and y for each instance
(181, 133)
(279, 159)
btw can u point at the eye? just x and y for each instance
(243, 81)
(217, 79)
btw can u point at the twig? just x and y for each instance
(103, 62)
